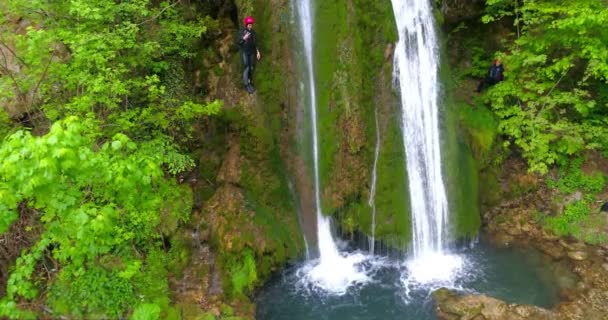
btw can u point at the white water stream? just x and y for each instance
(416, 67)
(372, 193)
(333, 271)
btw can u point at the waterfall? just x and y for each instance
(416, 68)
(372, 193)
(333, 272)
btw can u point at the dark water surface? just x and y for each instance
(513, 275)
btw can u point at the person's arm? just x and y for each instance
(243, 36)
(255, 42)
(239, 38)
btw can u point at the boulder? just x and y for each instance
(451, 306)
(578, 255)
(551, 249)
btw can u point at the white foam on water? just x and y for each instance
(432, 271)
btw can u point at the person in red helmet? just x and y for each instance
(247, 40)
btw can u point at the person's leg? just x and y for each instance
(244, 60)
(252, 61)
(481, 85)
(250, 67)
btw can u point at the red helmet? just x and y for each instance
(248, 20)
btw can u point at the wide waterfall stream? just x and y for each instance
(348, 283)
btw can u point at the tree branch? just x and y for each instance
(160, 13)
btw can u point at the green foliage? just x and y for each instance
(481, 126)
(93, 291)
(5, 124)
(547, 104)
(567, 223)
(101, 208)
(146, 311)
(119, 61)
(577, 219)
(572, 178)
(242, 270)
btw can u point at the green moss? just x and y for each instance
(393, 213)
(176, 210)
(243, 273)
(349, 57)
(271, 236)
(481, 128)
(332, 18)
(461, 169)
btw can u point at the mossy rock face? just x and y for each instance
(247, 210)
(353, 65)
(461, 168)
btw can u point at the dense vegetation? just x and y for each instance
(552, 107)
(101, 83)
(553, 103)
(98, 114)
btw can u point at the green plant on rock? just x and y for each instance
(242, 271)
(572, 178)
(556, 65)
(567, 222)
(577, 219)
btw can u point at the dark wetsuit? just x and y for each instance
(249, 52)
(495, 75)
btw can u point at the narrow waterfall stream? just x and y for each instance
(372, 193)
(332, 271)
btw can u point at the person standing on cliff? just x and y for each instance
(247, 40)
(495, 75)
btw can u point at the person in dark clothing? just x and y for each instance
(247, 40)
(495, 75)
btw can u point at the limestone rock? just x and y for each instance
(452, 306)
(578, 255)
(551, 249)
(230, 171)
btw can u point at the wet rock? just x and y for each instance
(575, 246)
(549, 235)
(551, 249)
(503, 239)
(527, 228)
(451, 306)
(578, 255)
(514, 230)
(581, 286)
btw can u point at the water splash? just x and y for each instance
(372, 193)
(333, 272)
(416, 73)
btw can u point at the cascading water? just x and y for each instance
(372, 193)
(416, 71)
(332, 271)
